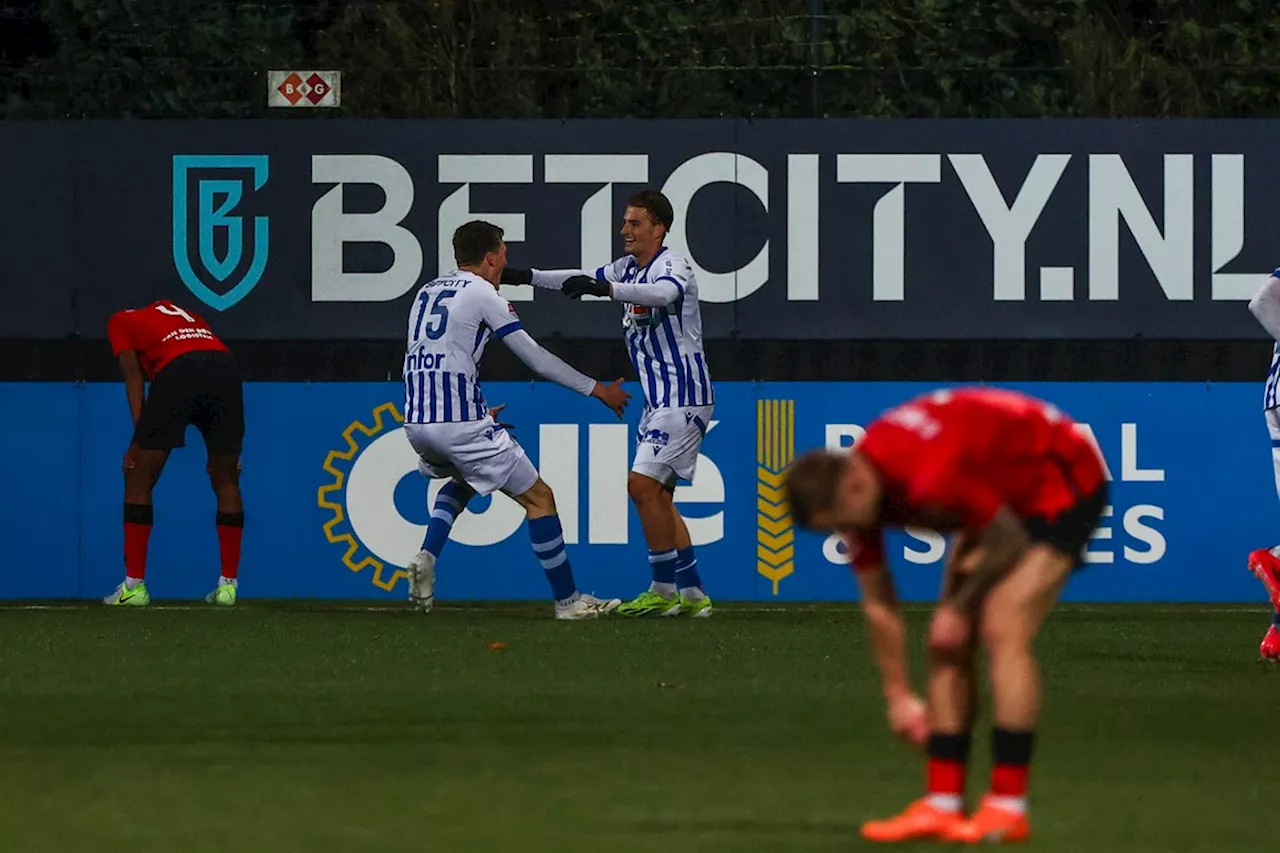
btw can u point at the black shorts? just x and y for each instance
(1071, 531)
(200, 388)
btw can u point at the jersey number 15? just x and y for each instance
(439, 314)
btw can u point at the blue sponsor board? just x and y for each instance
(335, 505)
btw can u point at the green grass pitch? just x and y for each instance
(280, 727)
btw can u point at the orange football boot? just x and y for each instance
(992, 823)
(1266, 568)
(920, 822)
(1270, 648)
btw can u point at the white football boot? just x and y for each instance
(586, 606)
(422, 580)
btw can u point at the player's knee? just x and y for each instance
(539, 500)
(643, 489)
(1002, 633)
(223, 471)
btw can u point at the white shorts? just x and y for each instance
(478, 453)
(1273, 427)
(668, 442)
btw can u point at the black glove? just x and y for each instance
(578, 286)
(515, 275)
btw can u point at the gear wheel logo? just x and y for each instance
(335, 496)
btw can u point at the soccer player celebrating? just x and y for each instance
(1025, 491)
(663, 330)
(1264, 564)
(454, 432)
(194, 380)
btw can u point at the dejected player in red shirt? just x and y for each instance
(194, 380)
(1024, 490)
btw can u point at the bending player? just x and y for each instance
(1025, 490)
(663, 331)
(1264, 563)
(454, 432)
(194, 380)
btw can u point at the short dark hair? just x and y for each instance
(657, 204)
(812, 482)
(474, 240)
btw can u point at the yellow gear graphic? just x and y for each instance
(354, 548)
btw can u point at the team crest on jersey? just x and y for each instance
(359, 498)
(219, 248)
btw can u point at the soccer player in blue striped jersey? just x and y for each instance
(455, 433)
(662, 327)
(1265, 562)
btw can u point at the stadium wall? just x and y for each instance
(335, 505)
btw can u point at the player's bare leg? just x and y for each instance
(1010, 618)
(694, 601)
(547, 538)
(951, 685)
(662, 525)
(952, 703)
(142, 469)
(224, 477)
(450, 502)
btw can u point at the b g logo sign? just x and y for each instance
(207, 205)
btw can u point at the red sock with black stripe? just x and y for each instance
(1011, 764)
(948, 763)
(137, 532)
(230, 533)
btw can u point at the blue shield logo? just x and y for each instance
(214, 202)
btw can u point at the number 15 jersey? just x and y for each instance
(450, 322)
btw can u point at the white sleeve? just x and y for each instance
(655, 294)
(552, 279)
(545, 364)
(667, 288)
(1265, 305)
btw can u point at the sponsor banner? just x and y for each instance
(796, 229)
(304, 88)
(335, 505)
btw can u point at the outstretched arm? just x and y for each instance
(550, 367)
(547, 279)
(545, 364)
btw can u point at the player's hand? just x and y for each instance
(515, 275)
(908, 718)
(129, 464)
(612, 395)
(493, 413)
(950, 631)
(578, 286)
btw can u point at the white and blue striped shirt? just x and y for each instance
(1271, 391)
(451, 320)
(665, 342)
(1270, 399)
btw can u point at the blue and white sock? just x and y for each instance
(450, 502)
(687, 578)
(548, 543)
(663, 566)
